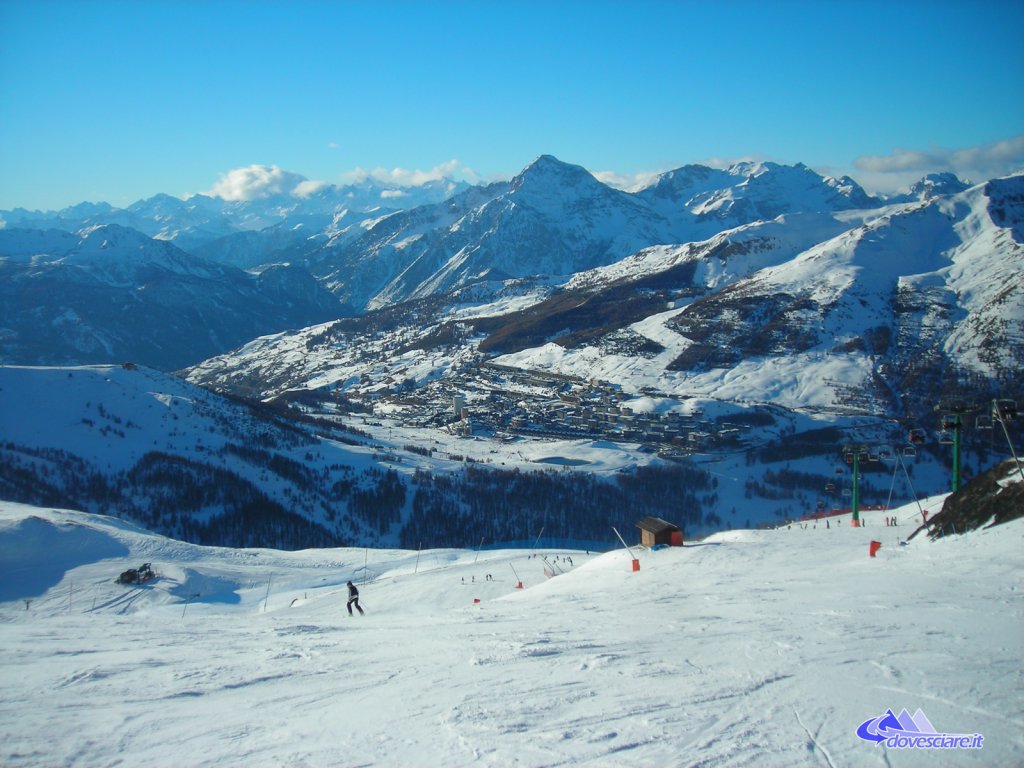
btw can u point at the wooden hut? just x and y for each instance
(654, 531)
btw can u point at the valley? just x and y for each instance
(511, 359)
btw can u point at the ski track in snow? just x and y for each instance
(764, 648)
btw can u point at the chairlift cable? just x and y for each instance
(997, 411)
(892, 486)
(912, 490)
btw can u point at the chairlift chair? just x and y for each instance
(1004, 410)
(945, 438)
(916, 436)
(983, 422)
(950, 422)
(910, 451)
(830, 488)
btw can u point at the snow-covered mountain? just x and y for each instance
(736, 315)
(199, 221)
(716, 199)
(899, 304)
(764, 349)
(905, 301)
(112, 294)
(556, 219)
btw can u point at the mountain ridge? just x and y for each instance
(113, 294)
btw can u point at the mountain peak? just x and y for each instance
(549, 165)
(546, 175)
(935, 184)
(104, 236)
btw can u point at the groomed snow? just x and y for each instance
(752, 648)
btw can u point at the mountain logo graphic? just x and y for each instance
(906, 731)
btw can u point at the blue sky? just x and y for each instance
(117, 101)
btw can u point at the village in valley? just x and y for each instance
(496, 401)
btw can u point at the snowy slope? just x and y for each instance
(172, 454)
(751, 648)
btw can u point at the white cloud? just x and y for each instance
(903, 166)
(724, 163)
(255, 182)
(453, 169)
(389, 194)
(307, 188)
(628, 182)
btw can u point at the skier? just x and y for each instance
(353, 597)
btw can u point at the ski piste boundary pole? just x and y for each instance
(519, 582)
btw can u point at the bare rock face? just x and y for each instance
(990, 499)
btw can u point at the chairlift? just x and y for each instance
(847, 493)
(983, 422)
(1004, 410)
(872, 455)
(950, 422)
(945, 438)
(910, 451)
(830, 488)
(886, 453)
(916, 436)
(848, 457)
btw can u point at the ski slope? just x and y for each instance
(751, 648)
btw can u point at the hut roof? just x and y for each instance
(656, 525)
